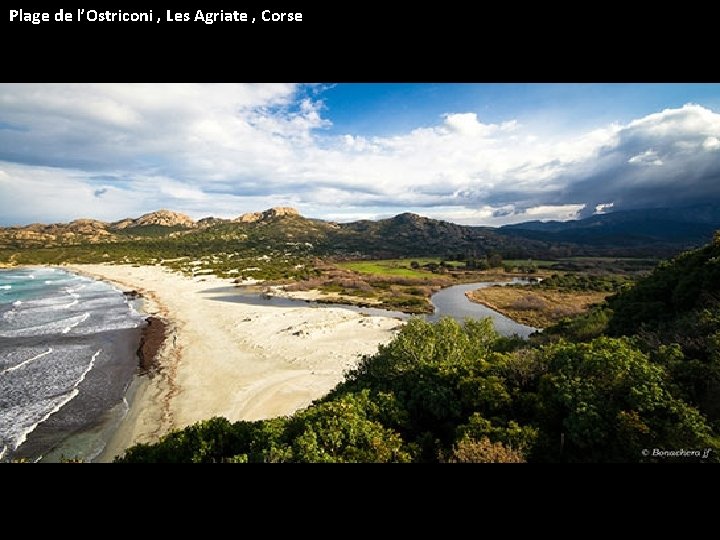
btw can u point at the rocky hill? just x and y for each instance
(212, 221)
(38, 234)
(91, 231)
(411, 233)
(267, 215)
(164, 218)
(407, 234)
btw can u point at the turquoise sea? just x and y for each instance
(67, 355)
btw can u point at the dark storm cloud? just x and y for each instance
(669, 159)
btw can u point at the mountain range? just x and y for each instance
(692, 226)
(647, 232)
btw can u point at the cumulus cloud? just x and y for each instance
(656, 161)
(111, 151)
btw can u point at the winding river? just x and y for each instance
(453, 302)
(449, 302)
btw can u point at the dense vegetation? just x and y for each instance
(640, 374)
(575, 282)
(675, 317)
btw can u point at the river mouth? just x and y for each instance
(449, 302)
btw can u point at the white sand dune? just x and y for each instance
(230, 359)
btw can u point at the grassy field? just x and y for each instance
(394, 284)
(390, 267)
(536, 308)
(523, 262)
(607, 259)
(401, 267)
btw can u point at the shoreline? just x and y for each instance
(231, 359)
(147, 384)
(152, 340)
(492, 306)
(82, 423)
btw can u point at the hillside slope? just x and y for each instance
(623, 234)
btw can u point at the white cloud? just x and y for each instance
(566, 211)
(648, 157)
(467, 124)
(45, 194)
(226, 149)
(711, 143)
(603, 207)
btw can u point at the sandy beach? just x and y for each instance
(224, 358)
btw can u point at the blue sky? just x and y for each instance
(483, 154)
(389, 109)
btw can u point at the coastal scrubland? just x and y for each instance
(633, 380)
(627, 362)
(552, 299)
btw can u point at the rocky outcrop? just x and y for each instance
(93, 231)
(86, 227)
(78, 231)
(165, 218)
(267, 215)
(123, 224)
(80, 224)
(212, 221)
